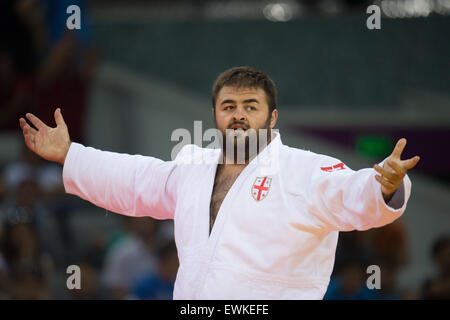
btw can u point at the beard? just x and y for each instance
(239, 146)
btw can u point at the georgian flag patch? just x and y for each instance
(261, 187)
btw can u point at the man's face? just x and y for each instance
(240, 109)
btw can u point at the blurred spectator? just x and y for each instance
(354, 243)
(95, 251)
(29, 182)
(67, 68)
(3, 269)
(386, 247)
(18, 59)
(90, 289)
(3, 194)
(46, 174)
(29, 267)
(29, 283)
(43, 65)
(131, 257)
(350, 282)
(35, 186)
(438, 287)
(388, 281)
(159, 286)
(3, 266)
(389, 243)
(3, 274)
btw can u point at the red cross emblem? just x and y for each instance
(260, 188)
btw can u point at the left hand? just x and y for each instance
(394, 169)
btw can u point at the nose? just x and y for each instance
(239, 114)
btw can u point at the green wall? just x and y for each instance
(314, 61)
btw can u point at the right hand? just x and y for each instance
(49, 143)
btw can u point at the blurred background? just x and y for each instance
(137, 70)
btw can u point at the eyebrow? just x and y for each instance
(245, 101)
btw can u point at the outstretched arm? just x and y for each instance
(347, 200)
(132, 185)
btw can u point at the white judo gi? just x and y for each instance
(276, 232)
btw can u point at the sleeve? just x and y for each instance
(346, 200)
(131, 185)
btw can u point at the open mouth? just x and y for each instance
(238, 127)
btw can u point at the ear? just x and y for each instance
(273, 118)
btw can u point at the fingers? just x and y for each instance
(411, 163)
(28, 134)
(29, 141)
(385, 183)
(399, 148)
(399, 169)
(22, 123)
(26, 129)
(385, 173)
(36, 121)
(59, 118)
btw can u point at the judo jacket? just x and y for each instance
(276, 231)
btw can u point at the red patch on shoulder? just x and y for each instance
(336, 167)
(327, 169)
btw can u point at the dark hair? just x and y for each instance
(246, 77)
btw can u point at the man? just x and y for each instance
(243, 230)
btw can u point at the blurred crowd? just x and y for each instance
(387, 249)
(43, 66)
(38, 241)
